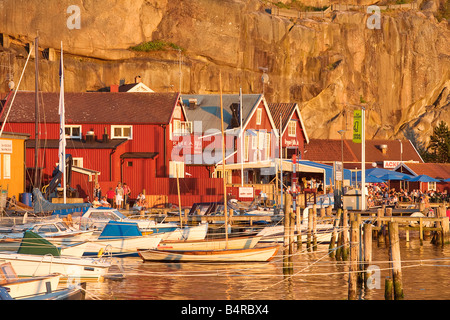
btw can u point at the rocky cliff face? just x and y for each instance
(329, 65)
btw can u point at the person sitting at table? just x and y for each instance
(96, 203)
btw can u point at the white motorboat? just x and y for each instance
(23, 288)
(41, 258)
(99, 217)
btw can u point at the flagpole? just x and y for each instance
(242, 137)
(62, 134)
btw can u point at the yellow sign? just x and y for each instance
(357, 126)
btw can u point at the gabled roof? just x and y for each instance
(134, 87)
(207, 109)
(435, 170)
(96, 107)
(287, 111)
(330, 150)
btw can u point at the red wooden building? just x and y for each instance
(120, 137)
(294, 136)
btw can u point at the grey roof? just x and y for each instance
(207, 109)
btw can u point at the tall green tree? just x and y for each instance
(439, 146)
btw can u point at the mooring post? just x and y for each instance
(291, 231)
(367, 236)
(309, 232)
(298, 226)
(388, 289)
(380, 238)
(314, 228)
(394, 245)
(287, 220)
(353, 267)
(345, 229)
(421, 231)
(332, 245)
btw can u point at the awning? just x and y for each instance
(89, 172)
(287, 166)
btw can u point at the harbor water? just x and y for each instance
(311, 276)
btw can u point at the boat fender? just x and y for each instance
(100, 252)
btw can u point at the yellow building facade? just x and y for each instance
(12, 163)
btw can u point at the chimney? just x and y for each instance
(90, 136)
(383, 148)
(105, 135)
(114, 88)
(192, 103)
(137, 79)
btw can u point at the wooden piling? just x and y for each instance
(367, 240)
(287, 219)
(314, 228)
(388, 289)
(309, 231)
(298, 227)
(353, 267)
(394, 249)
(421, 231)
(333, 241)
(345, 248)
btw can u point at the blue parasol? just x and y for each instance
(424, 178)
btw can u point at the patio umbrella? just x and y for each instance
(446, 180)
(424, 178)
(395, 176)
(373, 179)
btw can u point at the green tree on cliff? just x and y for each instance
(439, 144)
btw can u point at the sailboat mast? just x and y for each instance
(242, 137)
(36, 123)
(223, 166)
(62, 133)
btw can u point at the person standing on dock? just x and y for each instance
(110, 196)
(126, 194)
(97, 191)
(119, 196)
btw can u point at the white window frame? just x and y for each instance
(6, 166)
(267, 146)
(113, 135)
(181, 128)
(173, 165)
(71, 127)
(258, 116)
(246, 146)
(432, 186)
(292, 128)
(79, 161)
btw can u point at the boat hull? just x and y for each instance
(125, 246)
(29, 265)
(219, 244)
(230, 255)
(24, 288)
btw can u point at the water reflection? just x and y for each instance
(302, 276)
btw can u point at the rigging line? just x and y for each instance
(15, 92)
(326, 255)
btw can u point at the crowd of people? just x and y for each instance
(380, 194)
(116, 198)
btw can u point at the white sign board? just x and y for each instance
(5, 146)
(245, 192)
(390, 164)
(338, 170)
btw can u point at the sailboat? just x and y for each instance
(226, 254)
